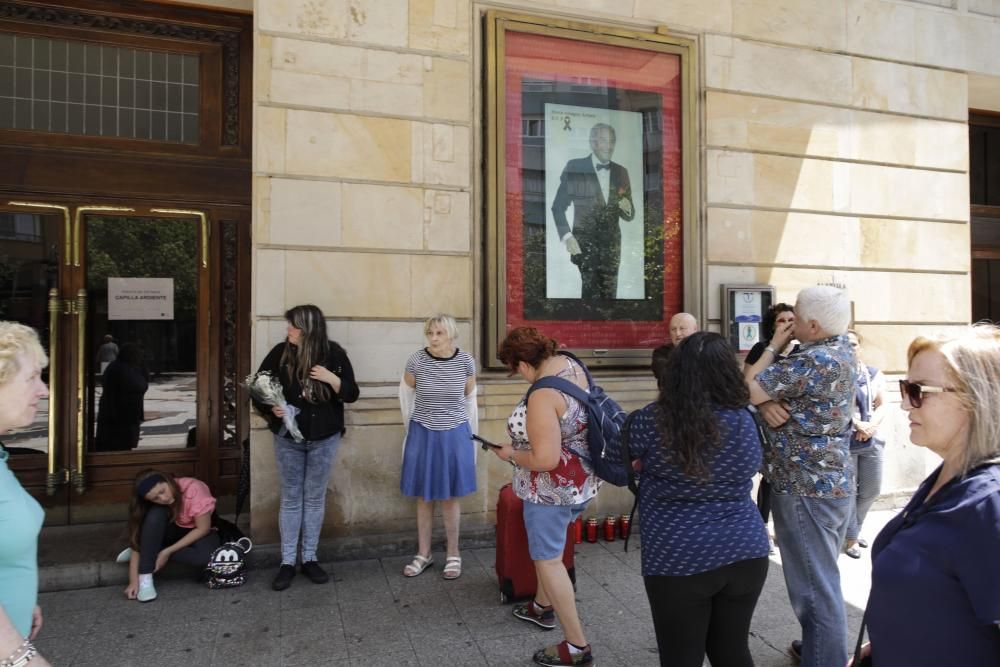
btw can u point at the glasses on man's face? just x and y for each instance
(914, 391)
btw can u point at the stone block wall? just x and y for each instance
(833, 145)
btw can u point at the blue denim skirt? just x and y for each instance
(438, 465)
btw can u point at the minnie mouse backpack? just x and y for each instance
(227, 566)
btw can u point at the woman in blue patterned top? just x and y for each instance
(704, 555)
(437, 398)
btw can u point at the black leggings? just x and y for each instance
(158, 532)
(708, 613)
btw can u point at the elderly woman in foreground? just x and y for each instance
(21, 388)
(935, 596)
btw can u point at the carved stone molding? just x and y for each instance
(228, 39)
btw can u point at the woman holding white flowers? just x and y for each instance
(317, 379)
(437, 398)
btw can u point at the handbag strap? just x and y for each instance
(856, 660)
(626, 454)
(633, 483)
(759, 426)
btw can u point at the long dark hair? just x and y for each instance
(139, 506)
(311, 351)
(700, 374)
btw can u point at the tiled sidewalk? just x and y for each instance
(371, 615)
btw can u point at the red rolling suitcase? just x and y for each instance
(515, 570)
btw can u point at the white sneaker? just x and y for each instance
(125, 555)
(147, 592)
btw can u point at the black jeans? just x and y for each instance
(708, 613)
(159, 532)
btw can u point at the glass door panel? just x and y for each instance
(29, 268)
(142, 328)
(120, 299)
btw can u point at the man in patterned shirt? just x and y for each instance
(808, 464)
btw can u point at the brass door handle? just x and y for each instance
(53, 479)
(77, 475)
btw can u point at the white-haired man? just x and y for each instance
(682, 325)
(809, 463)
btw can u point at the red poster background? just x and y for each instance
(529, 55)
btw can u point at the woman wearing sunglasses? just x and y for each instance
(935, 596)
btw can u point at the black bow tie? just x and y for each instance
(606, 165)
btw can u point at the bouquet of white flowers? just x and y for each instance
(265, 388)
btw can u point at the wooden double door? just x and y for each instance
(138, 304)
(125, 183)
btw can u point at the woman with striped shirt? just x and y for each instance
(438, 455)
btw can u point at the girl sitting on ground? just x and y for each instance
(170, 519)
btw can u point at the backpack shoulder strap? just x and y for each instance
(586, 371)
(559, 384)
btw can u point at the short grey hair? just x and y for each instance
(446, 322)
(16, 340)
(829, 306)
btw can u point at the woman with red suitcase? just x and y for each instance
(548, 434)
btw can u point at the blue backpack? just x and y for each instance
(604, 424)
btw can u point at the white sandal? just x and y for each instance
(419, 564)
(452, 567)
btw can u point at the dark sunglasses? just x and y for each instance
(914, 391)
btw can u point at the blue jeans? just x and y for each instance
(810, 535)
(868, 474)
(304, 469)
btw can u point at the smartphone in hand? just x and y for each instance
(486, 444)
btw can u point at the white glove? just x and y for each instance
(572, 246)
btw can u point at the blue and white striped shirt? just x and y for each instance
(440, 388)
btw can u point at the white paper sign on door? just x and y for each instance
(140, 298)
(747, 307)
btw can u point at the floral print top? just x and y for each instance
(810, 453)
(572, 481)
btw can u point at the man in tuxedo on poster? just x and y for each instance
(601, 195)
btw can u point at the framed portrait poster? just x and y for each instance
(590, 185)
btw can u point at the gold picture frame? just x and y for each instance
(596, 328)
